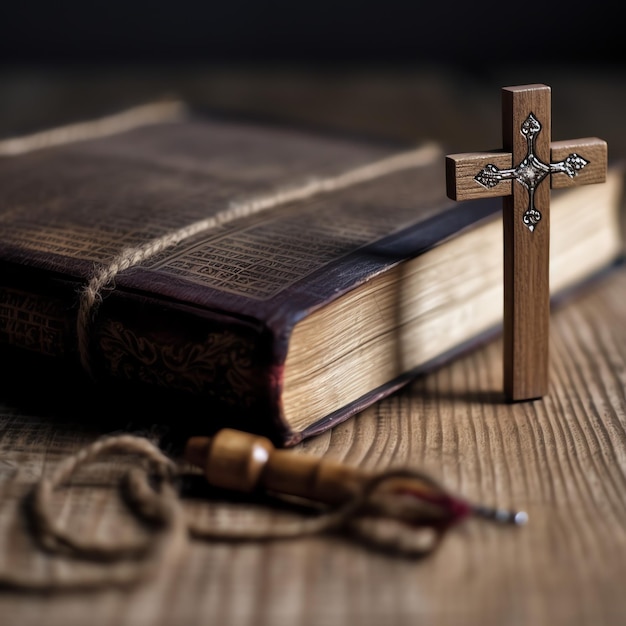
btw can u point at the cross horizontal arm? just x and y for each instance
(461, 168)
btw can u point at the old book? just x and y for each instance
(286, 279)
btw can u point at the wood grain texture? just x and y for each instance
(563, 459)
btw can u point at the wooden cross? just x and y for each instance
(523, 173)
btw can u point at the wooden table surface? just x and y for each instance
(562, 459)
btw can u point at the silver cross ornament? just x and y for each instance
(531, 170)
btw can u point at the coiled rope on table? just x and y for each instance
(151, 492)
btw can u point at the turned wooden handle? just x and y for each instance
(242, 461)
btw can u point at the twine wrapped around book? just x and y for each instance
(410, 499)
(104, 277)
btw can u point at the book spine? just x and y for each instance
(181, 348)
(226, 363)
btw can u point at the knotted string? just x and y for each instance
(152, 495)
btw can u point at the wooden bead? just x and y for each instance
(231, 459)
(242, 461)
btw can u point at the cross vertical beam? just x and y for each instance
(526, 253)
(522, 173)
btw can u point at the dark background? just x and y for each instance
(402, 70)
(471, 34)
